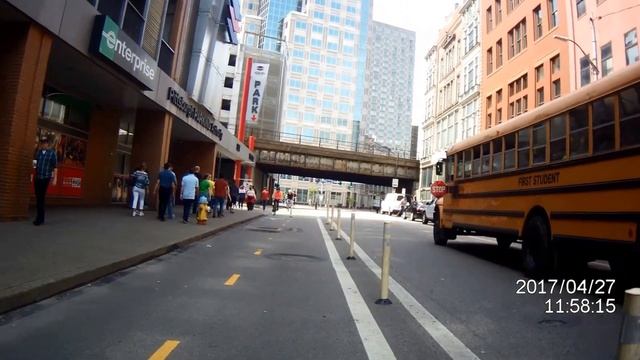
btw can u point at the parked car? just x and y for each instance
(391, 203)
(418, 210)
(429, 209)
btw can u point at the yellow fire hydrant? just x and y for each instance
(202, 211)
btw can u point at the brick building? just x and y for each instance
(112, 84)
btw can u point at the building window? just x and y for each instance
(607, 59)
(489, 19)
(631, 46)
(488, 121)
(498, 116)
(499, 53)
(489, 102)
(518, 38)
(232, 60)
(585, 70)
(555, 64)
(540, 96)
(498, 97)
(555, 88)
(581, 7)
(537, 18)
(226, 104)
(498, 12)
(553, 13)
(539, 73)
(228, 82)
(489, 61)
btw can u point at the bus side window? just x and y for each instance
(497, 156)
(603, 129)
(476, 161)
(486, 157)
(540, 143)
(558, 136)
(449, 168)
(579, 135)
(630, 117)
(467, 163)
(460, 165)
(524, 143)
(510, 151)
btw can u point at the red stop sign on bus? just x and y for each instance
(438, 188)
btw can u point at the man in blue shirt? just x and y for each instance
(46, 162)
(166, 185)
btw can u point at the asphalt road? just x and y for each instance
(295, 297)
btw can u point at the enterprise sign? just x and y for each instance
(111, 43)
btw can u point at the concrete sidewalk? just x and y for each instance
(79, 245)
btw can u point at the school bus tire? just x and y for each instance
(537, 252)
(439, 235)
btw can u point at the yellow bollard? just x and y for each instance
(629, 344)
(332, 226)
(352, 237)
(339, 236)
(386, 258)
(328, 219)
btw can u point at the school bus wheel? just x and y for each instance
(537, 251)
(439, 235)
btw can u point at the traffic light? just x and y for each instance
(439, 168)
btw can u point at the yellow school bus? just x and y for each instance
(564, 178)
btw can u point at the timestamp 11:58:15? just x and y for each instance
(580, 306)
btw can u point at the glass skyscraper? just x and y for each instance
(273, 13)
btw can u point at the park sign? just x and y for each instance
(257, 87)
(109, 42)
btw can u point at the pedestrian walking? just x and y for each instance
(140, 186)
(220, 194)
(233, 195)
(251, 198)
(196, 173)
(165, 188)
(242, 194)
(46, 161)
(264, 198)
(206, 187)
(188, 191)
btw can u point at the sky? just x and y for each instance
(425, 17)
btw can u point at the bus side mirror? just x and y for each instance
(439, 168)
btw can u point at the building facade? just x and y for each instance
(607, 32)
(321, 85)
(388, 101)
(112, 84)
(273, 13)
(452, 96)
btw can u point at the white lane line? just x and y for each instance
(449, 342)
(372, 338)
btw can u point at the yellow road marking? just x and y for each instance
(232, 280)
(164, 350)
(258, 252)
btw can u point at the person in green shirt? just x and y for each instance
(206, 187)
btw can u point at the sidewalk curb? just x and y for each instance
(44, 291)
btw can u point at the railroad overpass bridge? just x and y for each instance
(337, 161)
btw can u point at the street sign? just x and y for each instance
(394, 183)
(438, 188)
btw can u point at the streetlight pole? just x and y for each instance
(594, 67)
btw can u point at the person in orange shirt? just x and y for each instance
(277, 197)
(264, 197)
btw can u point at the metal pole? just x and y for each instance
(629, 343)
(594, 48)
(386, 256)
(352, 237)
(339, 236)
